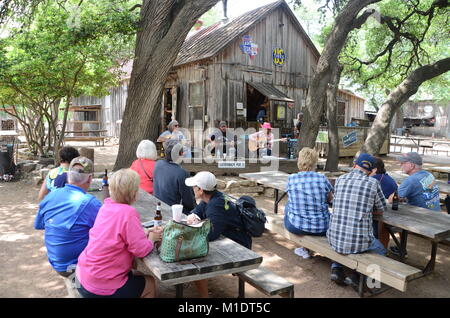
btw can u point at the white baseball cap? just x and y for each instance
(204, 180)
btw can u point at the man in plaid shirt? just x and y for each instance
(356, 198)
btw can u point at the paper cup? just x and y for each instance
(177, 212)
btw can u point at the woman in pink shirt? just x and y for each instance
(145, 164)
(117, 237)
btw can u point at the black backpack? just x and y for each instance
(252, 217)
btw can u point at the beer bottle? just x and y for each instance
(395, 201)
(158, 216)
(105, 185)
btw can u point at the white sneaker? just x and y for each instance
(302, 252)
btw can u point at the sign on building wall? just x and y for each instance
(248, 47)
(278, 56)
(350, 139)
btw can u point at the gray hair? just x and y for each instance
(173, 149)
(171, 124)
(146, 150)
(77, 178)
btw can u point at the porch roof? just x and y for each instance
(270, 92)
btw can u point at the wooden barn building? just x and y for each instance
(227, 70)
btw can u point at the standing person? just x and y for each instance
(67, 214)
(104, 267)
(145, 163)
(169, 177)
(173, 132)
(356, 198)
(420, 188)
(262, 113)
(388, 186)
(222, 141)
(308, 192)
(224, 216)
(57, 177)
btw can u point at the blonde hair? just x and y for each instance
(146, 150)
(307, 159)
(124, 185)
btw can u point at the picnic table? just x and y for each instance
(416, 140)
(225, 256)
(96, 135)
(442, 170)
(431, 225)
(273, 179)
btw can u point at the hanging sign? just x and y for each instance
(278, 56)
(248, 47)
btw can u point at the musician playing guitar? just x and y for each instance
(262, 141)
(222, 141)
(173, 132)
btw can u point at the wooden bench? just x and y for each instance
(386, 270)
(266, 282)
(71, 287)
(100, 140)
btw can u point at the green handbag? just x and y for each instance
(181, 242)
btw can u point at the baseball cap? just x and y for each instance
(222, 123)
(366, 161)
(204, 180)
(86, 163)
(412, 157)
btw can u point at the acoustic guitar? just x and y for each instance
(261, 142)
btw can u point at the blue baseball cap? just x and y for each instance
(366, 161)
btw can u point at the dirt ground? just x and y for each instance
(25, 271)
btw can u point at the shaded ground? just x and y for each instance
(25, 271)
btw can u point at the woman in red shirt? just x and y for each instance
(145, 164)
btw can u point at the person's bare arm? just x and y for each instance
(43, 191)
(330, 196)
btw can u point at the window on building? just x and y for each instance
(196, 101)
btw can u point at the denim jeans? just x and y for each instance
(376, 247)
(297, 231)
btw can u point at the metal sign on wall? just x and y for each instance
(248, 47)
(278, 56)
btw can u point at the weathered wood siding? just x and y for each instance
(113, 107)
(230, 70)
(354, 106)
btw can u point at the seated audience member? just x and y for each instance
(169, 177)
(57, 177)
(67, 214)
(420, 188)
(104, 267)
(225, 218)
(388, 186)
(306, 211)
(144, 165)
(356, 198)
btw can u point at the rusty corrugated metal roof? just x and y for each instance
(208, 42)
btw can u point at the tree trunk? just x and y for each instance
(346, 21)
(333, 136)
(163, 29)
(380, 127)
